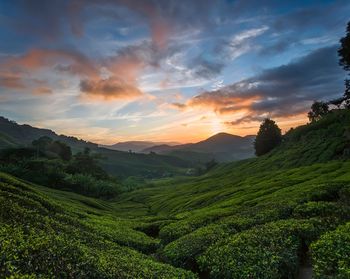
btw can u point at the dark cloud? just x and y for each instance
(178, 105)
(206, 68)
(289, 30)
(282, 91)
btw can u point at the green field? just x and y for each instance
(266, 217)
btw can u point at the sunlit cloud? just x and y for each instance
(147, 69)
(111, 88)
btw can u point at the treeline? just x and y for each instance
(51, 163)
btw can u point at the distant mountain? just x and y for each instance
(117, 163)
(136, 146)
(222, 147)
(13, 134)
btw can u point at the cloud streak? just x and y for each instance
(282, 91)
(111, 88)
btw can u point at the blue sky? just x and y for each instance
(111, 71)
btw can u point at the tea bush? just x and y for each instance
(331, 254)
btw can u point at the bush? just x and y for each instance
(331, 254)
(88, 185)
(322, 209)
(269, 251)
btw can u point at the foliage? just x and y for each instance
(254, 218)
(331, 254)
(40, 239)
(270, 251)
(82, 174)
(318, 110)
(86, 163)
(269, 136)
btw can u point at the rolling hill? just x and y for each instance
(136, 146)
(117, 163)
(25, 134)
(222, 147)
(274, 216)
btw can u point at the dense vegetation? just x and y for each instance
(49, 162)
(264, 217)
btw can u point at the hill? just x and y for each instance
(71, 237)
(267, 217)
(125, 164)
(116, 163)
(222, 147)
(136, 146)
(25, 134)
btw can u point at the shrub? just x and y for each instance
(331, 254)
(269, 251)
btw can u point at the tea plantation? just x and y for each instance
(265, 217)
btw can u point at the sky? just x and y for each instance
(167, 70)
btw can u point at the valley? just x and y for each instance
(279, 208)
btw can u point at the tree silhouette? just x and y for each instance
(318, 110)
(61, 149)
(268, 137)
(344, 61)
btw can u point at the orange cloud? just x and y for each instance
(10, 80)
(220, 102)
(111, 88)
(76, 63)
(126, 66)
(42, 91)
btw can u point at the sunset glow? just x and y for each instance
(110, 71)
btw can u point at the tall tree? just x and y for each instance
(268, 137)
(318, 110)
(344, 61)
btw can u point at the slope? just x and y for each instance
(222, 147)
(117, 163)
(25, 134)
(41, 237)
(259, 218)
(136, 146)
(297, 194)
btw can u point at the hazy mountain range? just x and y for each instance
(222, 147)
(137, 146)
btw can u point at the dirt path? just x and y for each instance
(305, 272)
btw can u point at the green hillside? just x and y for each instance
(73, 237)
(267, 217)
(126, 164)
(117, 163)
(6, 141)
(222, 147)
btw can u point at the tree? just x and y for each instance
(268, 137)
(61, 149)
(41, 144)
(86, 163)
(344, 61)
(318, 110)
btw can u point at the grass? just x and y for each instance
(258, 218)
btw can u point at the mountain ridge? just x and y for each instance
(222, 147)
